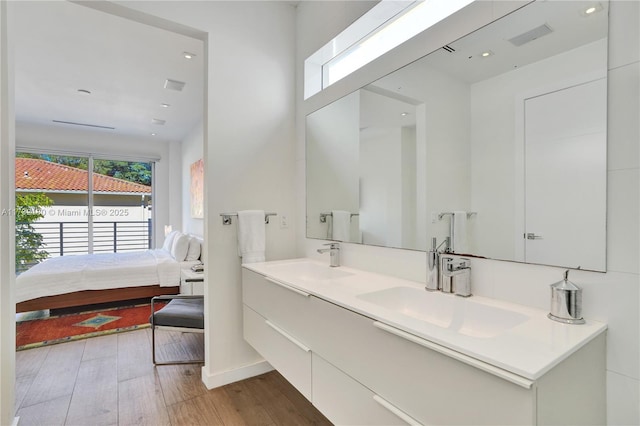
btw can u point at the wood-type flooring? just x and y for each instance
(110, 380)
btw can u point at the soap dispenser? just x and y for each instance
(566, 302)
(433, 260)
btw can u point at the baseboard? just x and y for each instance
(224, 378)
(15, 421)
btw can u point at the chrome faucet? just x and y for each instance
(455, 276)
(434, 282)
(334, 253)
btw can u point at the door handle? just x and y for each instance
(532, 236)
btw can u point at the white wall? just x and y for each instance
(388, 166)
(167, 170)
(249, 153)
(174, 188)
(7, 225)
(380, 177)
(333, 137)
(613, 297)
(443, 131)
(447, 151)
(192, 151)
(493, 110)
(408, 170)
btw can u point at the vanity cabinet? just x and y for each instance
(285, 354)
(276, 325)
(429, 386)
(345, 401)
(359, 370)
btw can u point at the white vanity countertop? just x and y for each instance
(529, 348)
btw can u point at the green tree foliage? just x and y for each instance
(29, 245)
(126, 170)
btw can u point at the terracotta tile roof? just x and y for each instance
(36, 174)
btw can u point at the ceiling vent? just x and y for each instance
(158, 121)
(448, 48)
(531, 35)
(174, 85)
(73, 123)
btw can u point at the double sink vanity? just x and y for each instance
(367, 348)
(506, 124)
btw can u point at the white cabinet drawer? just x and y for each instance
(283, 351)
(345, 401)
(197, 288)
(429, 386)
(279, 303)
(186, 288)
(192, 288)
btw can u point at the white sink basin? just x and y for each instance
(462, 315)
(307, 271)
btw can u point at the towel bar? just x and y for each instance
(443, 214)
(323, 216)
(226, 217)
(452, 227)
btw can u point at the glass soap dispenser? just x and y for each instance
(566, 302)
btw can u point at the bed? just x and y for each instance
(68, 281)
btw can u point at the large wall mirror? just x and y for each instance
(500, 135)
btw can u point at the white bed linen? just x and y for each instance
(66, 274)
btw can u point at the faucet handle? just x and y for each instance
(461, 277)
(334, 252)
(457, 265)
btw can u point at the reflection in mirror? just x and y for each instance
(499, 137)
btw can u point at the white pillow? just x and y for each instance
(168, 240)
(194, 249)
(180, 247)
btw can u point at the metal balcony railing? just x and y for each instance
(71, 238)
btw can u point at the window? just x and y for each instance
(78, 205)
(121, 205)
(385, 26)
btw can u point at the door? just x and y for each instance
(565, 177)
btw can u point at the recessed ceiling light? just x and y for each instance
(189, 55)
(165, 105)
(84, 91)
(486, 54)
(158, 121)
(592, 9)
(404, 114)
(153, 134)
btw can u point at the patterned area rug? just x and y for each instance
(64, 328)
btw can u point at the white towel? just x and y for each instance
(251, 236)
(459, 232)
(341, 225)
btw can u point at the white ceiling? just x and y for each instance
(61, 47)
(571, 29)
